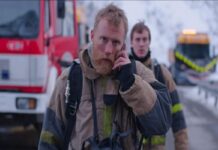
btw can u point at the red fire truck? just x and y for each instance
(37, 37)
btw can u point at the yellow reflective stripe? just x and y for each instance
(188, 62)
(155, 140)
(176, 108)
(195, 66)
(49, 138)
(107, 121)
(211, 64)
(107, 113)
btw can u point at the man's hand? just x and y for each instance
(122, 59)
(124, 71)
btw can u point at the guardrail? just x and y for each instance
(209, 88)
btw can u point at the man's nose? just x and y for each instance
(109, 48)
(141, 43)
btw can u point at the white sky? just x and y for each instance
(180, 12)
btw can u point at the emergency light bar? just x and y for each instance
(189, 31)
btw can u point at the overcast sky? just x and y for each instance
(179, 11)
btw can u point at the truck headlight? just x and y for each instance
(25, 103)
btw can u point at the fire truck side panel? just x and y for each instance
(24, 70)
(64, 39)
(9, 99)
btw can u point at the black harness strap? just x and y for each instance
(94, 113)
(158, 72)
(72, 96)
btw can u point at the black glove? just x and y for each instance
(125, 76)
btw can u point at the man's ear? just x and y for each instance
(92, 35)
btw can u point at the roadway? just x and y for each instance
(18, 138)
(201, 121)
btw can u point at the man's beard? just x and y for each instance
(103, 66)
(102, 62)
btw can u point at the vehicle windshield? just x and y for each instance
(196, 51)
(19, 18)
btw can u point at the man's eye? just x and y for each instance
(138, 40)
(145, 39)
(103, 39)
(115, 43)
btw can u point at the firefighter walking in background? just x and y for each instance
(140, 42)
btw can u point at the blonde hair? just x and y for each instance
(114, 15)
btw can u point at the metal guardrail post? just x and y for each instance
(216, 99)
(209, 88)
(199, 90)
(206, 94)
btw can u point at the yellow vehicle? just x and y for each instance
(190, 60)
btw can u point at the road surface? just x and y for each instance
(202, 128)
(201, 121)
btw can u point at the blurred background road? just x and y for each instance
(201, 120)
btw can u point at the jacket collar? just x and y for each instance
(148, 63)
(86, 65)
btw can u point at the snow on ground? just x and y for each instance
(192, 93)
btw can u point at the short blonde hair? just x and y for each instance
(114, 15)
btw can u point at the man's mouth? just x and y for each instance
(141, 52)
(106, 60)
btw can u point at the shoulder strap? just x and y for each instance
(72, 95)
(133, 63)
(158, 72)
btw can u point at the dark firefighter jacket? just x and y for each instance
(178, 121)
